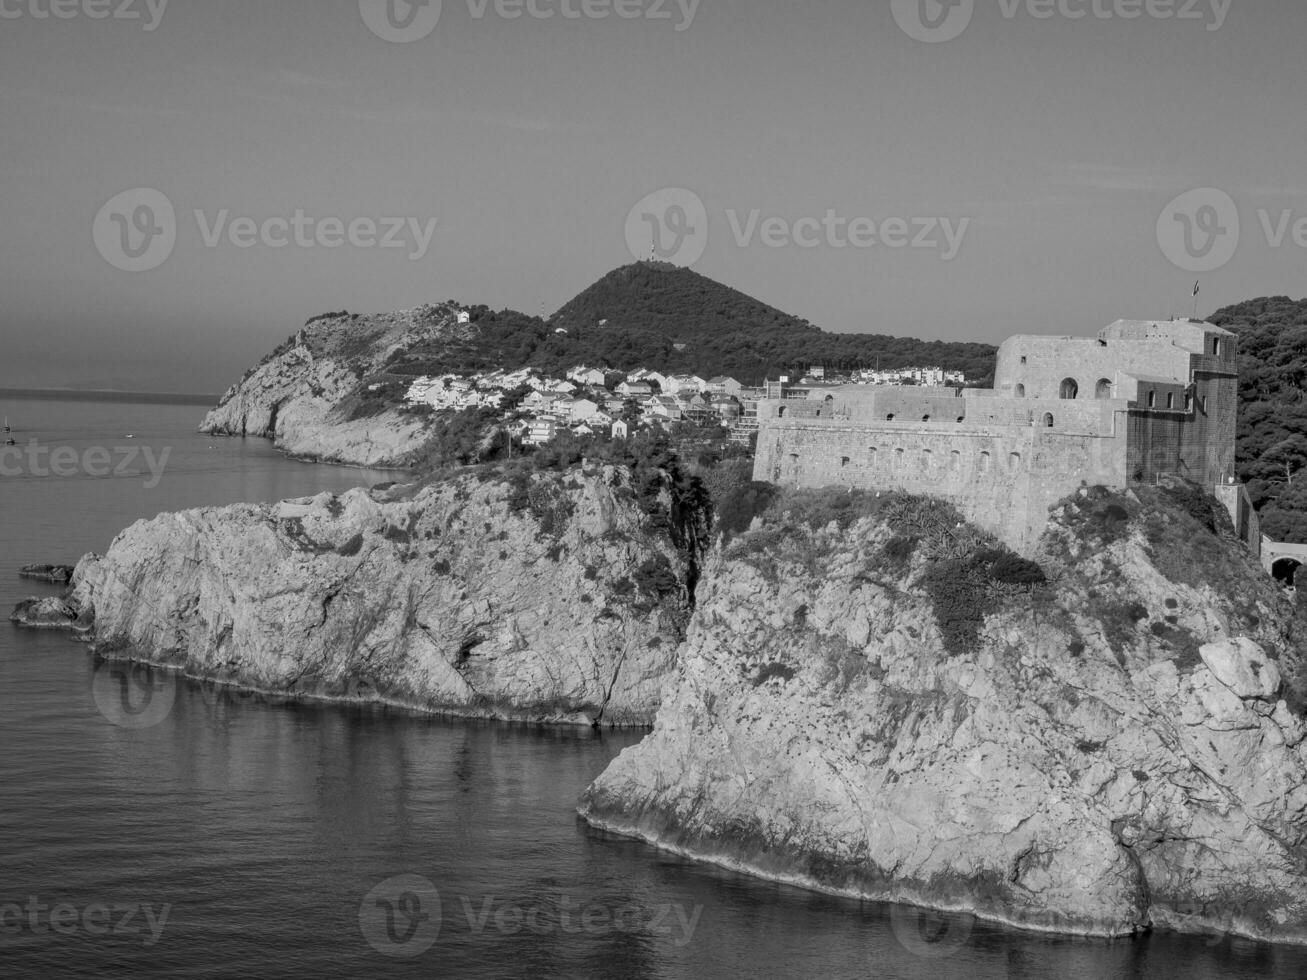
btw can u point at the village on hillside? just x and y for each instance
(615, 404)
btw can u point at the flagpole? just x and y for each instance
(1197, 289)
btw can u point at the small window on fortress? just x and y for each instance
(1216, 347)
(1021, 391)
(898, 457)
(1189, 401)
(1048, 421)
(844, 462)
(984, 462)
(955, 461)
(1023, 360)
(889, 417)
(1104, 389)
(1070, 390)
(926, 459)
(1152, 399)
(1014, 461)
(1170, 400)
(925, 418)
(780, 412)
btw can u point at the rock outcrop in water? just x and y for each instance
(1120, 749)
(512, 600)
(310, 394)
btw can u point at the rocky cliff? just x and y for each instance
(311, 395)
(548, 598)
(879, 706)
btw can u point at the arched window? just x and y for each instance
(1070, 390)
(1104, 389)
(844, 462)
(1014, 461)
(889, 417)
(955, 462)
(871, 455)
(1048, 420)
(985, 461)
(926, 458)
(925, 418)
(1021, 391)
(961, 419)
(780, 412)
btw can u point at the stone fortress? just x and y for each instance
(1141, 400)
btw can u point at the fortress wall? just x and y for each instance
(1050, 360)
(1001, 478)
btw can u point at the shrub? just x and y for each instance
(351, 547)
(774, 670)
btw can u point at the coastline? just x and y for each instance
(500, 715)
(914, 900)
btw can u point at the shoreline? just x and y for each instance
(505, 716)
(917, 902)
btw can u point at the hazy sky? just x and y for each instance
(1050, 146)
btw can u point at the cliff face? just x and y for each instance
(479, 598)
(1111, 751)
(305, 395)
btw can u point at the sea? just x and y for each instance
(151, 826)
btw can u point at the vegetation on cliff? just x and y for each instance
(1273, 409)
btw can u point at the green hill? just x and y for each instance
(668, 318)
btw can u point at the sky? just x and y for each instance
(184, 183)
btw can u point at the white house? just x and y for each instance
(464, 317)
(725, 386)
(634, 389)
(582, 409)
(621, 430)
(587, 376)
(541, 431)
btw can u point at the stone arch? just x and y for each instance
(1070, 390)
(1104, 389)
(1049, 421)
(1285, 570)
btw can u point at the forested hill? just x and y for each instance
(639, 314)
(1273, 409)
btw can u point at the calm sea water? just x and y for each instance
(202, 833)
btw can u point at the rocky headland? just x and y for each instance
(558, 598)
(311, 395)
(875, 703)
